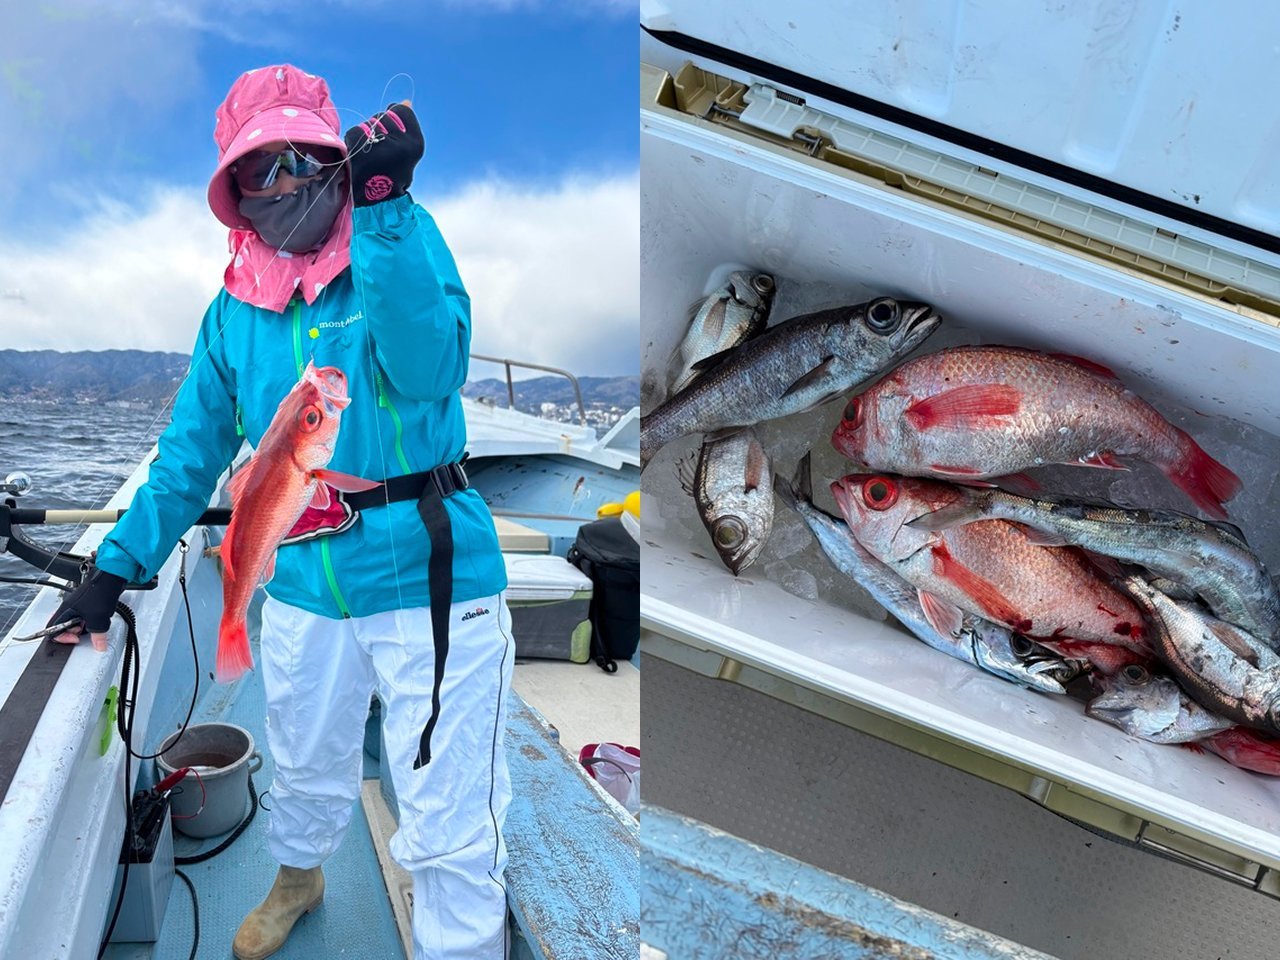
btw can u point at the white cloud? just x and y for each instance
(552, 274)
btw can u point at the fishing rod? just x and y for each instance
(72, 566)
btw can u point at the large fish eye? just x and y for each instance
(884, 315)
(729, 532)
(1021, 646)
(310, 419)
(763, 284)
(879, 493)
(853, 412)
(1135, 675)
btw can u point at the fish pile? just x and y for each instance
(734, 371)
(1176, 616)
(1166, 624)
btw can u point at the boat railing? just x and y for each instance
(511, 387)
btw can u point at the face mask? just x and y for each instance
(299, 221)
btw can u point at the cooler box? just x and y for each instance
(1074, 178)
(550, 603)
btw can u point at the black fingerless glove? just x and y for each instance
(94, 601)
(382, 153)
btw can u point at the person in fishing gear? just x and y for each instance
(333, 263)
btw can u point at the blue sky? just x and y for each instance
(529, 112)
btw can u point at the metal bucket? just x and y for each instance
(223, 756)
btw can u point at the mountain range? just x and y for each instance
(153, 377)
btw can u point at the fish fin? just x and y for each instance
(804, 477)
(1195, 747)
(943, 616)
(1108, 565)
(809, 379)
(1021, 483)
(224, 552)
(320, 500)
(234, 655)
(1231, 639)
(965, 406)
(714, 324)
(1203, 479)
(686, 473)
(345, 481)
(706, 363)
(240, 479)
(269, 570)
(757, 465)
(1041, 538)
(983, 592)
(1091, 365)
(1226, 526)
(1103, 459)
(944, 518)
(966, 476)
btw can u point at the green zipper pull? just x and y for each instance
(382, 390)
(239, 421)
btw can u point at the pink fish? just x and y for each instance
(971, 413)
(284, 476)
(991, 568)
(1244, 748)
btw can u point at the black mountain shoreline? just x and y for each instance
(151, 377)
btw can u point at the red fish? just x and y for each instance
(1244, 748)
(971, 413)
(990, 568)
(285, 474)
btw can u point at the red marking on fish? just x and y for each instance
(981, 590)
(964, 406)
(1091, 365)
(1103, 608)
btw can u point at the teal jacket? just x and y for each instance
(403, 302)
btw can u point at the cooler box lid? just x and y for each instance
(1174, 101)
(533, 578)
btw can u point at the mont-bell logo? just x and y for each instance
(472, 614)
(339, 324)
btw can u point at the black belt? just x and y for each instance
(429, 488)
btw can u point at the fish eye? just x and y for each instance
(1021, 646)
(1135, 675)
(884, 315)
(853, 412)
(880, 493)
(730, 532)
(763, 284)
(310, 419)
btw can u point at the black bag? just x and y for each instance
(610, 556)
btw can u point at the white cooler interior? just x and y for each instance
(711, 199)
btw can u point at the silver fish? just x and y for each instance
(733, 487)
(1210, 558)
(794, 366)
(984, 644)
(729, 316)
(1152, 707)
(1220, 665)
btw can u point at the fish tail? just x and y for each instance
(234, 655)
(1203, 479)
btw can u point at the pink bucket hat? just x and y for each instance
(264, 105)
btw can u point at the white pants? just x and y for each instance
(318, 674)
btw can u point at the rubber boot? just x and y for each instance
(266, 928)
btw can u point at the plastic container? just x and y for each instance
(223, 756)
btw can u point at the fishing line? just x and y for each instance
(195, 362)
(198, 359)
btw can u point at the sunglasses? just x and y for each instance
(258, 170)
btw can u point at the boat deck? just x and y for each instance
(582, 702)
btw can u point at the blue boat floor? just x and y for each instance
(355, 919)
